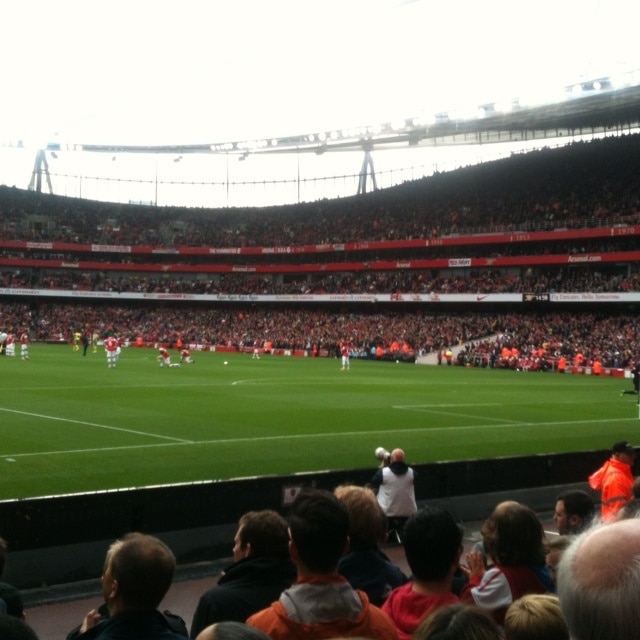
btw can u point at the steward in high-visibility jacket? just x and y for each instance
(615, 480)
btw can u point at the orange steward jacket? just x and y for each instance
(615, 480)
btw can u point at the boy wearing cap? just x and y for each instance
(615, 480)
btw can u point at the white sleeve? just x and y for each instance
(493, 592)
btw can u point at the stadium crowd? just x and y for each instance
(540, 190)
(582, 185)
(534, 341)
(555, 280)
(321, 571)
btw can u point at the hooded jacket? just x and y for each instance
(322, 607)
(407, 608)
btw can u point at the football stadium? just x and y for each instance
(214, 304)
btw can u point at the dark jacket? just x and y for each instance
(133, 625)
(372, 572)
(245, 588)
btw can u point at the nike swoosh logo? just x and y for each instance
(480, 298)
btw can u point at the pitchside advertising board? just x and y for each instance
(355, 298)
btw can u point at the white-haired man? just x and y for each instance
(598, 580)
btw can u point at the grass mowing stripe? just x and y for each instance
(241, 441)
(277, 415)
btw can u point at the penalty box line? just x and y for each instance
(95, 425)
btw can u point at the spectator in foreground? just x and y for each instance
(261, 571)
(458, 622)
(574, 512)
(11, 628)
(536, 617)
(138, 572)
(365, 566)
(433, 546)
(321, 604)
(513, 538)
(10, 598)
(598, 580)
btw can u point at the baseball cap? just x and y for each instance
(623, 447)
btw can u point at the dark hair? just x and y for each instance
(578, 503)
(12, 600)
(143, 567)
(458, 622)
(431, 540)
(230, 630)
(267, 533)
(14, 629)
(513, 535)
(319, 526)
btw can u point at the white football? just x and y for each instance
(225, 362)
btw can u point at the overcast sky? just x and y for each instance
(199, 71)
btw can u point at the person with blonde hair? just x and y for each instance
(365, 566)
(458, 622)
(536, 616)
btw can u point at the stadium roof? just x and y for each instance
(257, 75)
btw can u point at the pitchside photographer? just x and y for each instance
(394, 484)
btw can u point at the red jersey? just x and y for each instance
(110, 344)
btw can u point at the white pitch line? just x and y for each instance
(302, 436)
(95, 424)
(428, 409)
(451, 404)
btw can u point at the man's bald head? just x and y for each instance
(598, 582)
(397, 455)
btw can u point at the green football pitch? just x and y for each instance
(69, 424)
